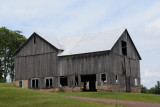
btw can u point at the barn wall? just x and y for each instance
(39, 47)
(84, 64)
(130, 62)
(131, 52)
(94, 63)
(36, 60)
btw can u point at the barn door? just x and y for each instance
(128, 89)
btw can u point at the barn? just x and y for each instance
(104, 61)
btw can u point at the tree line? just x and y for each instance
(10, 41)
(153, 90)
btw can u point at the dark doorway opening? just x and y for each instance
(76, 80)
(89, 82)
(63, 81)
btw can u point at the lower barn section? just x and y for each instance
(82, 83)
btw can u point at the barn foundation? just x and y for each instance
(21, 83)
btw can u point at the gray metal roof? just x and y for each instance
(87, 43)
(101, 41)
(53, 41)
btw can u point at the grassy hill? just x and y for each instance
(17, 97)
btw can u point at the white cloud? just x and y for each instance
(149, 77)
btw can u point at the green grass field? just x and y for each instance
(17, 97)
(120, 96)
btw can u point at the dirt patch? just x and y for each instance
(127, 103)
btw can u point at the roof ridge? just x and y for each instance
(92, 33)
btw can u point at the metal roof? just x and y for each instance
(71, 45)
(53, 41)
(88, 43)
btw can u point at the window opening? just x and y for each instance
(124, 48)
(63, 81)
(136, 81)
(35, 83)
(20, 83)
(34, 39)
(49, 82)
(103, 77)
(116, 79)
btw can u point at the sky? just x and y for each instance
(75, 17)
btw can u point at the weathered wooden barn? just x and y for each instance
(106, 61)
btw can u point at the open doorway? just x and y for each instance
(89, 82)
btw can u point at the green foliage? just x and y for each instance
(6, 85)
(153, 90)
(143, 89)
(157, 88)
(10, 41)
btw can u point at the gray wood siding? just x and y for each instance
(31, 48)
(132, 63)
(131, 52)
(37, 60)
(84, 64)
(40, 60)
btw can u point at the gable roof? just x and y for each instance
(133, 45)
(72, 45)
(96, 42)
(52, 40)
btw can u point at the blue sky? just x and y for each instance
(73, 17)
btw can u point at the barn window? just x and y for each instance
(20, 84)
(103, 77)
(136, 81)
(48, 82)
(76, 80)
(124, 48)
(35, 83)
(63, 81)
(116, 79)
(34, 39)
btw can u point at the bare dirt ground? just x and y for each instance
(122, 102)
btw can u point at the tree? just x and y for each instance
(10, 41)
(157, 88)
(143, 89)
(151, 90)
